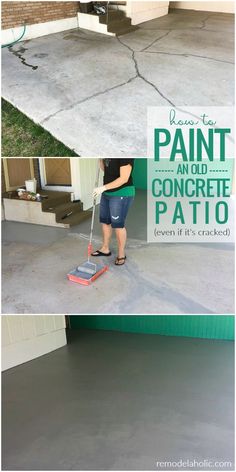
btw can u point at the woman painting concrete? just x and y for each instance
(117, 196)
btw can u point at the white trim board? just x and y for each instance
(39, 29)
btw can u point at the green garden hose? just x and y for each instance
(16, 41)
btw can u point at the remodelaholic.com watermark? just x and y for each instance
(188, 464)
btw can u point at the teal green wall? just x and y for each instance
(212, 326)
(140, 173)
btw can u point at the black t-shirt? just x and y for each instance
(112, 171)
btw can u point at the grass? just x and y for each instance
(23, 138)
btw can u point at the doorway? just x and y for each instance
(56, 173)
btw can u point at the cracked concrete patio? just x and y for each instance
(73, 82)
(36, 259)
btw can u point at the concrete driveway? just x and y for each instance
(92, 91)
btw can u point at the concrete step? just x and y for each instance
(114, 24)
(66, 213)
(75, 218)
(54, 198)
(26, 211)
(52, 211)
(121, 27)
(113, 15)
(122, 31)
(63, 209)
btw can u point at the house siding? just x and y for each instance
(18, 13)
(196, 326)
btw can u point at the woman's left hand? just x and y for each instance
(98, 191)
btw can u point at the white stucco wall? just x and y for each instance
(223, 7)
(25, 337)
(144, 11)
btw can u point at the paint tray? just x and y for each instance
(83, 278)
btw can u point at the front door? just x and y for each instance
(57, 172)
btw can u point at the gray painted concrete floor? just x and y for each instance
(120, 401)
(82, 79)
(157, 278)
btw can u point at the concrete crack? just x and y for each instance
(204, 21)
(157, 90)
(186, 54)
(156, 40)
(19, 54)
(97, 94)
(141, 76)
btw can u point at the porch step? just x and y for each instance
(51, 211)
(62, 210)
(65, 211)
(113, 15)
(54, 198)
(117, 22)
(114, 23)
(121, 27)
(75, 218)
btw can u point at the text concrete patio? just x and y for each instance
(92, 91)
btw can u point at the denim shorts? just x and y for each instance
(113, 210)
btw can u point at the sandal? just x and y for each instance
(118, 259)
(100, 253)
